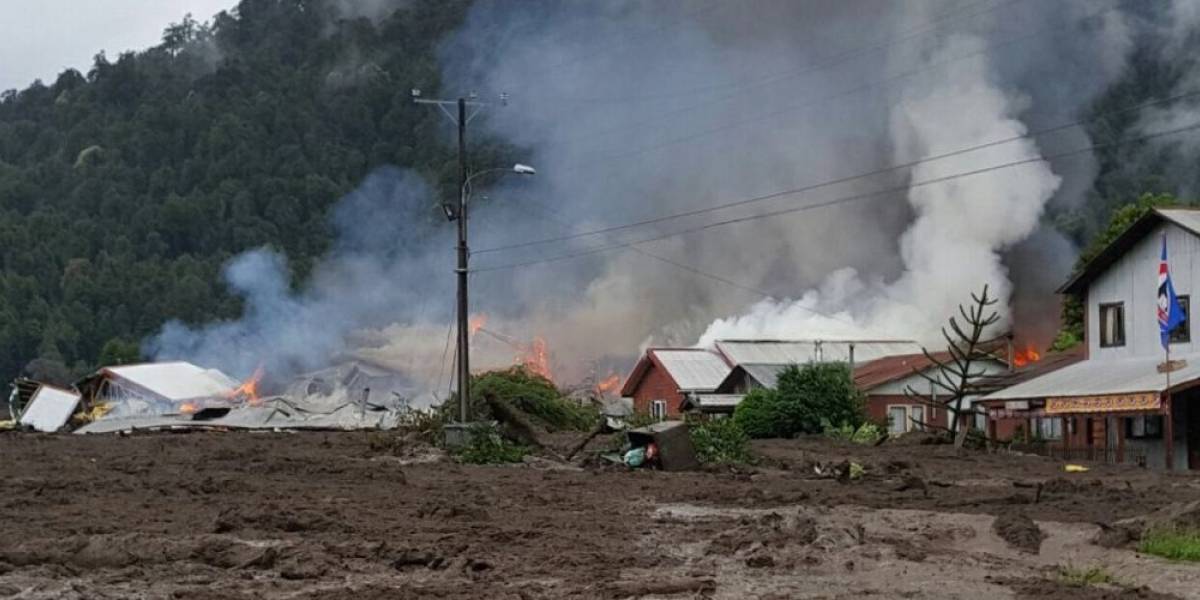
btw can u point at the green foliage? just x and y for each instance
(119, 352)
(758, 414)
(1086, 577)
(487, 447)
(1175, 544)
(804, 399)
(719, 441)
(123, 190)
(533, 394)
(866, 433)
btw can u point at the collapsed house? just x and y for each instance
(181, 395)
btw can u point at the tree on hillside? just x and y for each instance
(968, 347)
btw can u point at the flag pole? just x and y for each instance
(1168, 417)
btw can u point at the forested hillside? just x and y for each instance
(124, 189)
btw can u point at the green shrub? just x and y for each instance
(1175, 544)
(1077, 577)
(719, 441)
(758, 414)
(866, 433)
(487, 447)
(531, 393)
(804, 400)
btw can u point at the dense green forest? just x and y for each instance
(124, 190)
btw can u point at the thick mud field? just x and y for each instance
(341, 515)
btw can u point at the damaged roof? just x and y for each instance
(176, 381)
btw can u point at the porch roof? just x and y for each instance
(1104, 378)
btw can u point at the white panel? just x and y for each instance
(49, 409)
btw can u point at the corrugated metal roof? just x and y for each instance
(177, 381)
(783, 352)
(693, 370)
(765, 375)
(1102, 377)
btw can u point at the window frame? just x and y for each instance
(909, 424)
(1111, 343)
(1146, 420)
(658, 410)
(1183, 333)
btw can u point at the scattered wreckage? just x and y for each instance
(180, 395)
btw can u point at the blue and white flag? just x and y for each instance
(1170, 314)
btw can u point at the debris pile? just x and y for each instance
(181, 395)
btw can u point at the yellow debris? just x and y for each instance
(1075, 469)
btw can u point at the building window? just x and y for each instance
(1112, 325)
(1048, 428)
(1182, 334)
(1144, 427)
(905, 418)
(658, 410)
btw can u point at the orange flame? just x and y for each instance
(476, 323)
(187, 408)
(536, 359)
(1026, 356)
(248, 391)
(608, 384)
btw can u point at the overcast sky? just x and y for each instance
(40, 38)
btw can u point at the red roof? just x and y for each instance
(873, 374)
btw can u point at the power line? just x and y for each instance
(602, 159)
(545, 213)
(840, 180)
(841, 200)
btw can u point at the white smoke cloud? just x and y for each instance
(955, 243)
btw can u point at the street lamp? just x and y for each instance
(464, 334)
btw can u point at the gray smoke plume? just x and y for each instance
(632, 110)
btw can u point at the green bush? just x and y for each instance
(487, 447)
(1175, 544)
(1086, 577)
(867, 433)
(531, 393)
(758, 416)
(719, 441)
(805, 399)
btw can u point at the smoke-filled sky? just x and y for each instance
(633, 110)
(41, 38)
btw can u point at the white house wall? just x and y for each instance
(1133, 279)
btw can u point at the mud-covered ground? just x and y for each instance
(316, 515)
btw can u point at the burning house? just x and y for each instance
(1123, 401)
(160, 388)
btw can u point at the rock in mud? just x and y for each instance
(1019, 531)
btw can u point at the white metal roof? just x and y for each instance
(49, 409)
(1184, 217)
(177, 381)
(1102, 377)
(783, 352)
(693, 370)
